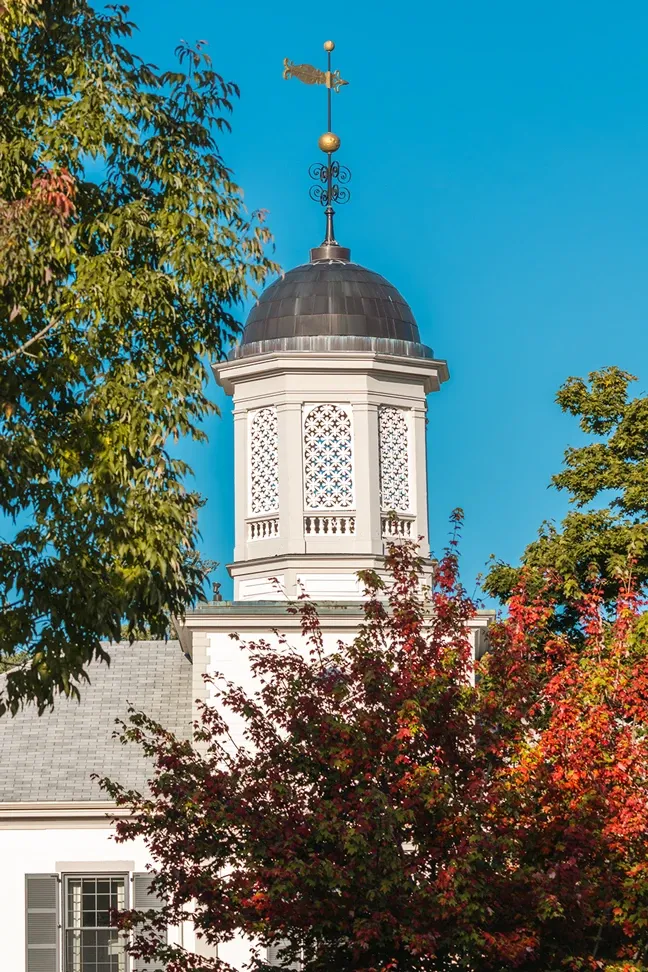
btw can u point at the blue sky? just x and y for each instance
(500, 180)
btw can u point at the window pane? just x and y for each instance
(103, 941)
(95, 951)
(74, 903)
(89, 902)
(121, 895)
(104, 908)
(73, 951)
(92, 944)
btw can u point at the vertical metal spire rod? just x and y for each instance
(329, 86)
(329, 239)
(332, 175)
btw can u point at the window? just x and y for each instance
(394, 459)
(328, 458)
(92, 943)
(264, 462)
(85, 938)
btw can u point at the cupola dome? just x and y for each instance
(331, 304)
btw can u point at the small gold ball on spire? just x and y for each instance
(329, 46)
(329, 142)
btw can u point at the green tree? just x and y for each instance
(607, 483)
(125, 249)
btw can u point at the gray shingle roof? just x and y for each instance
(50, 757)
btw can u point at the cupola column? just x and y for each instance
(291, 478)
(419, 475)
(365, 422)
(241, 479)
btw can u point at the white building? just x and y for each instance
(329, 386)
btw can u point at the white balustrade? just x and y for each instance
(397, 527)
(263, 529)
(326, 525)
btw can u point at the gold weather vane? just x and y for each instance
(312, 75)
(332, 176)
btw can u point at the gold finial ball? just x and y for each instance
(329, 46)
(329, 142)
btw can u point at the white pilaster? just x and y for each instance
(419, 474)
(367, 477)
(291, 478)
(241, 486)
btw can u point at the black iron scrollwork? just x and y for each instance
(318, 172)
(332, 181)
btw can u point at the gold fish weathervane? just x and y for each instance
(332, 176)
(312, 75)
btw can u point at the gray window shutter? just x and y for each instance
(276, 960)
(144, 899)
(42, 922)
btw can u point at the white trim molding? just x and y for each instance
(59, 814)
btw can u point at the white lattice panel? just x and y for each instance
(328, 458)
(394, 459)
(264, 462)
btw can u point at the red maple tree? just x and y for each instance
(387, 810)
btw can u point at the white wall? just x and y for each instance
(35, 848)
(228, 657)
(39, 851)
(27, 851)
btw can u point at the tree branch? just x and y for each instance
(23, 347)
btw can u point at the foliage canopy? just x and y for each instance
(607, 483)
(372, 808)
(125, 248)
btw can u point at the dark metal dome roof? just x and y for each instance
(330, 298)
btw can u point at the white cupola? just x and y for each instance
(329, 386)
